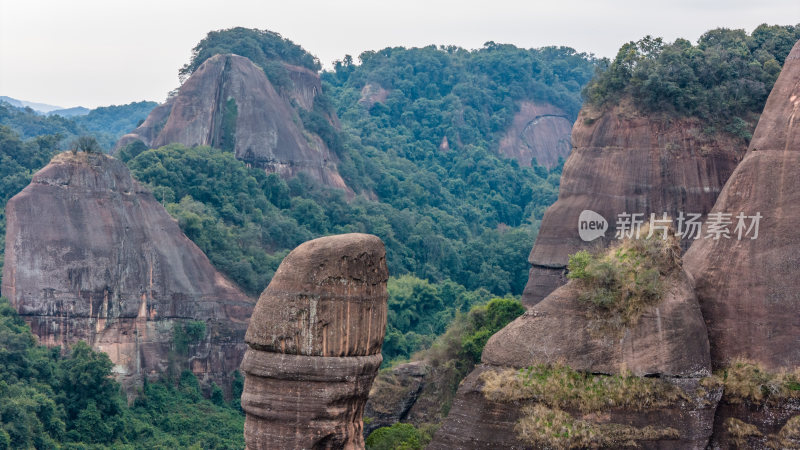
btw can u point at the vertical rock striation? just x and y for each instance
(229, 103)
(91, 255)
(748, 289)
(314, 345)
(624, 162)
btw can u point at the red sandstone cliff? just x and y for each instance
(267, 132)
(91, 255)
(623, 162)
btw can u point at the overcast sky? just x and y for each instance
(101, 52)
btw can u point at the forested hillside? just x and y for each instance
(458, 221)
(724, 79)
(107, 124)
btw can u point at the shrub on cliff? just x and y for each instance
(400, 436)
(618, 283)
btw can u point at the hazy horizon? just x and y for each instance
(93, 53)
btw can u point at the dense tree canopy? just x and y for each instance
(49, 399)
(265, 48)
(107, 124)
(725, 78)
(246, 221)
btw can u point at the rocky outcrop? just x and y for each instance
(91, 255)
(372, 93)
(393, 394)
(314, 345)
(660, 355)
(538, 131)
(623, 162)
(748, 288)
(229, 103)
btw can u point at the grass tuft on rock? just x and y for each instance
(544, 427)
(748, 381)
(559, 386)
(619, 283)
(740, 431)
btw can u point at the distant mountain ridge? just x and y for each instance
(40, 107)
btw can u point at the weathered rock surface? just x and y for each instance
(772, 424)
(393, 394)
(314, 345)
(91, 255)
(265, 129)
(749, 289)
(668, 340)
(475, 422)
(622, 162)
(539, 130)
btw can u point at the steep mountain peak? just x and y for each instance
(91, 255)
(229, 103)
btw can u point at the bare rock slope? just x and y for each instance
(539, 130)
(623, 162)
(314, 345)
(229, 103)
(748, 288)
(91, 255)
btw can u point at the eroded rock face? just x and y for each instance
(475, 422)
(539, 130)
(314, 345)
(229, 103)
(666, 342)
(91, 255)
(394, 394)
(669, 339)
(748, 288)
(622, 162)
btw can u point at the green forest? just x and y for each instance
(106, 124)
(458, 224)
(724, 79)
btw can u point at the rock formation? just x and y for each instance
(539, 130)
(91, 255)
(229, 103)
(748, 288)
(394, 394)
(662, 356)
(314, 345)
(623, 162)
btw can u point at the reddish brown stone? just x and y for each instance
(91, 255)
(539, 130)
(314, 345)
(749, 289)
(267, 134)
(623, 162)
